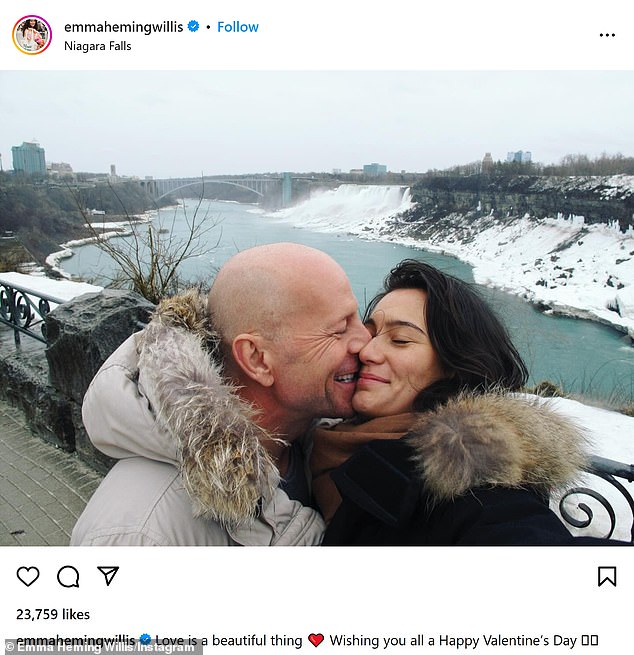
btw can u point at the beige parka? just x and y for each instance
(191, 470)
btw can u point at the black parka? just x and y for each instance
(476, 471)
(385, 503)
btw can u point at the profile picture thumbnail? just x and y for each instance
(32, 35)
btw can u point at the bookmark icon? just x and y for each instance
(607, 574)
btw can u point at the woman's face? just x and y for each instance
(399, 361)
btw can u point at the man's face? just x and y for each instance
(318, 351)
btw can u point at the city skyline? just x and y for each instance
(171, 124)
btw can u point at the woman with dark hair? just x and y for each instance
(472, 345)
(440, 453)
(32, 37)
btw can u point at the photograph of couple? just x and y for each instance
(356, 356)
(211, 412)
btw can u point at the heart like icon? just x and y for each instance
(315, 639)
(27, 575)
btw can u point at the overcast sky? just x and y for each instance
(171, 124)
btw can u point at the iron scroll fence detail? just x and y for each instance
(24, 309)
(612, 472)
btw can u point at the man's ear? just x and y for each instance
(252, 357)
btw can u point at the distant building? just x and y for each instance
(520, 156)
(487, 163)
(60, 169)
(374, 169)
(29, 158)
(356, 171)
(113, 177)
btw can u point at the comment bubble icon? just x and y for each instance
(68, 576)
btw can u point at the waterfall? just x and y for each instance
(349, 207)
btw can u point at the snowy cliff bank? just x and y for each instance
(559, 263)
(564, 263)
(563, 243)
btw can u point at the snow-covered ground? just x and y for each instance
(61, 290)
(105, 231)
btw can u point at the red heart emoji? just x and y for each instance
(315, 639)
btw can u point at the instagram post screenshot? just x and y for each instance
(316, 328)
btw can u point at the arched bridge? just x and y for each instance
(276, 188)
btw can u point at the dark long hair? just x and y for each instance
(472, 344)
(25, 25)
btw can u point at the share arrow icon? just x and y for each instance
(108, 573)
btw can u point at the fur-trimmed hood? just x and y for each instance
(495, 440)
(199, 422)
(471, 442)
(477, 471)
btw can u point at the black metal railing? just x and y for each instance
(615, 474)
(24, 310)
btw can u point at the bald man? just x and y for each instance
(205, 408)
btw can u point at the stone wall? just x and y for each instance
(48, 384)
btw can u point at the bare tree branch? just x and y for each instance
(150, 258)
